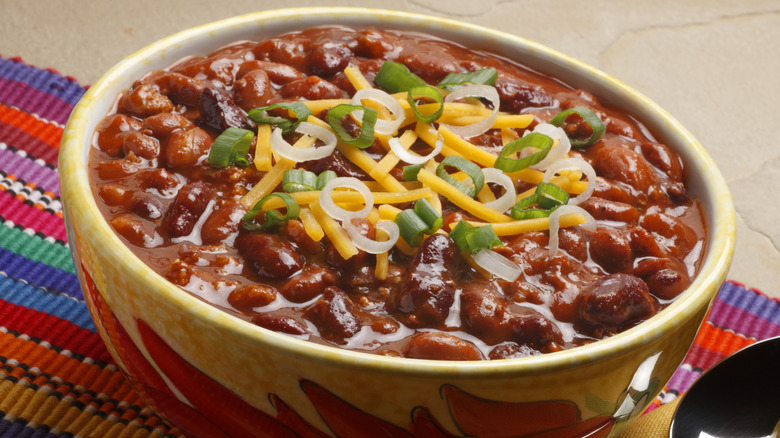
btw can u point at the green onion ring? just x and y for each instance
(472, 170)
(459, 233)
(394, 77)
(534, 140)
(272, 217)
(301, 111)
(551, 196)
(410, 172)
(589, 117)
(411, 226)
(366, 136)
(325, 177)
(429, 215)
(474, 239)
(230, 147)
(483, 76)
(425, 92)
(298, 180)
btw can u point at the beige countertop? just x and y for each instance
(713, 64)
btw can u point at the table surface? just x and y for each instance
(713, 64)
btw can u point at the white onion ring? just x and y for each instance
(338, 213)
(387, 127)
(574, 164)
(555, 218)
(556, 153)
(507, 200)
(470, 90)
(373, 246)
(497, 264)
(410, 157)
(286, 150)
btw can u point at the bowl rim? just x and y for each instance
(77, 197)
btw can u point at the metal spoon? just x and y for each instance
(738, 397)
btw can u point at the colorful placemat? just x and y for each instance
(56, 376)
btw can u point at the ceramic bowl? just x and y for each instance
(212, 374)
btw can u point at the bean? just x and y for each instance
(335, 316)
(573, 242)
(440, 346)
(146, 100)
(111, 132)
(618, 192)
(328, 59)
(312, 88)
(114, 195)
(511, 350)
(296, 233)
(137, 231)
(222, 223)
(666, 278)
(190, 202)
(186, 148)
(374, 45)
(516, 95)
(280, 324)
(616, 300)
(483, 313)
(141, 145)
(218, 111)
(308, 283)
(278, 73)
(120, 168)
(625, 165)
(431, 67)
(605, 209)
(611, 249)
(180, 88)
(268, 255)
(164, 124)
(253, 90)
(680, 238)
(336, 162)
(644, 244)
(161, 180)
(428, 290)
(147, 206)
(245, 298)
(290, 52)
(533, 329)
(660, 156)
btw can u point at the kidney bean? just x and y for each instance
(312, 88)
(625, 165)
(137, 231)
(329, 58)
(644, 244)
(218, 111)
(141, 145)
(308, 283)
(335, 316)
(292, 52)
(164, 124)
(605, 209)
(111, 133)
(428, 290)
(375, 45)
(296, 233)
(247, 297)
(611, 249)
(573, 242)
(511, 350)
(680, 238)
(440, 346)
(431, 67)
(516, 95)
(178, 87)
(190, 202)
(222, 223)
(161, 180)
(147, 206)
(531, 328)
(279, 74)
(616, 300)
(268, 255)
(119, 168)
(186, 148)
(115, 195)
(660, 156)
(336, 162)
(675, 191)
(253, 90)
(483, 312)
(665, 277)
(279, 323)
(618, 192)
(146, 100)
(385, 325)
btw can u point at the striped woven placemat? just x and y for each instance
(56, 376)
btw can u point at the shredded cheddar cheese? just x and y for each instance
(335, 232)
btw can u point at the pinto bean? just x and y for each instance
(253, 90)
(625, 165)
(660, 156)
(141, 145)
(335, 315)
(186, 148)
(666, 278)
(146, 100)
(312, 88)
(279, 323)
(218, 111)
(611, 249)
(190, 202)
(268, 255)
(245, 298)
(516, 96)
(680, 238)
(111, 132)
(164, 124)
(605, 209)
(222, 223)
(616, 300)
(440, 346)
(308, 283)
(137, 231)
(428, 290)
(278, 73)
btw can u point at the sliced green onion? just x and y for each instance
(589, 117)
(472, 170)
(474, 239)
(551, 196)
(298, 180)
(410, 172)
(428, 93)
(429, 215)
(533, 140)
(325, 177)
(301, 111)
(395, 78)
(230, 147)
(272, 217)
(483, 76)
(366, 136)
(411, 226)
